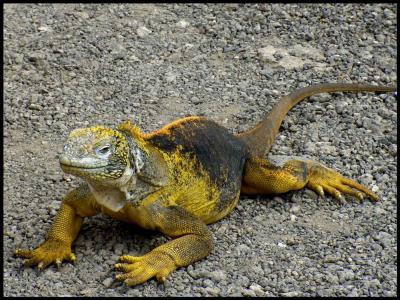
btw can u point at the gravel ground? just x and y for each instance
(69, 66)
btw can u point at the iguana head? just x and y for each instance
(98, 153)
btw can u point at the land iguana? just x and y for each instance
(178, 179)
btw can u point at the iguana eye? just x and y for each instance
(104, 150)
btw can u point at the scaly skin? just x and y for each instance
(176, 180)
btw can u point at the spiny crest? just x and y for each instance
(134, 131)
(166, 130)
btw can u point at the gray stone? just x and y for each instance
(142, 31)
(108, 282)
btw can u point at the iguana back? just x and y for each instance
(215, 149)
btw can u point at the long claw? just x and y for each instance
(320, 191)
(119, 267)
(129, 259)
(162, 275)
(58, 263)
(360, 196)
(140, 269)
(121, 277)
(72, 258)
(23, 253)
(124, 267)
(335, 184)
(51, 251)
(360, 187)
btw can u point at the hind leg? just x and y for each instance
(262, 177)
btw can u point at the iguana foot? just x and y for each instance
(51, 251)
(323, 179)
(139, 269)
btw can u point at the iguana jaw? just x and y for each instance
(86, 171)
(112, 194)
(82, 167)
(83, 163)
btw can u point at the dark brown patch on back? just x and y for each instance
(218, 151)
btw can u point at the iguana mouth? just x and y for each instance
(84, 167)
(86, 172)
(84, 163)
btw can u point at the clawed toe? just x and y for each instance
(129, 259)
(137, 270)
(330, 181)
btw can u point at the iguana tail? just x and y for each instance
(260, 138)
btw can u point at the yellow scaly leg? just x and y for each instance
(262, 177)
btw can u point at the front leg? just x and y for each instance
(193, 241)
(57, 247)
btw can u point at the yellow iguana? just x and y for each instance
(178, 179)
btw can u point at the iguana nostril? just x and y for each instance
(64, 159)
